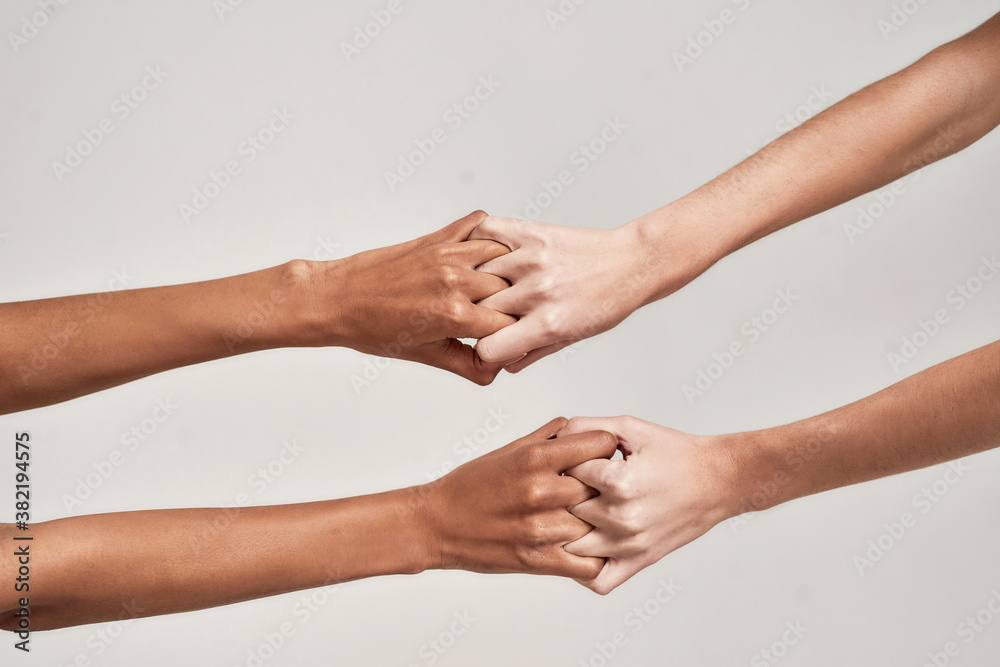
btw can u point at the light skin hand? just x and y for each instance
(669, 489)
(502, 512)
(568, 284)
(672, 487)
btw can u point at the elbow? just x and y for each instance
(967, 74)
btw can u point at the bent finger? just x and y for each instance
(565, 452)
(516, 340)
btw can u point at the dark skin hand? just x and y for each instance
(415, 300)
(502, 512)
(412, 301)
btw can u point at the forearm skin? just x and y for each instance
(946, 412)
(944, 102)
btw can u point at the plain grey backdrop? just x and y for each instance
(318, 189)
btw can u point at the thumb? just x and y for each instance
(453, 355)
(457, 231)
(502, 230)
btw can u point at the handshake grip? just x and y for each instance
(522, 289)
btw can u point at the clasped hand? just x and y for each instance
(525, 289)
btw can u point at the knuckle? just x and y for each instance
(541, 258)
(550, 323)
(629, 519)
(537, 532)
(449, 277)
(537, 495)
(619, 485)
(453, 311)
(546, 286)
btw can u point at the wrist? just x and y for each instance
(414, 537)
(676, 248)
(433, 510)
(311, 309)
(724, 472)
(775, 465)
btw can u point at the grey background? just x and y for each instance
(321, 182)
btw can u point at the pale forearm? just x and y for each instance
(932, 109)
(53, 350)
(946, 412)
(95, 568)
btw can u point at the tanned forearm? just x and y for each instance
(502, 512)
(413, 301)
(96, 568)
(53, 350)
